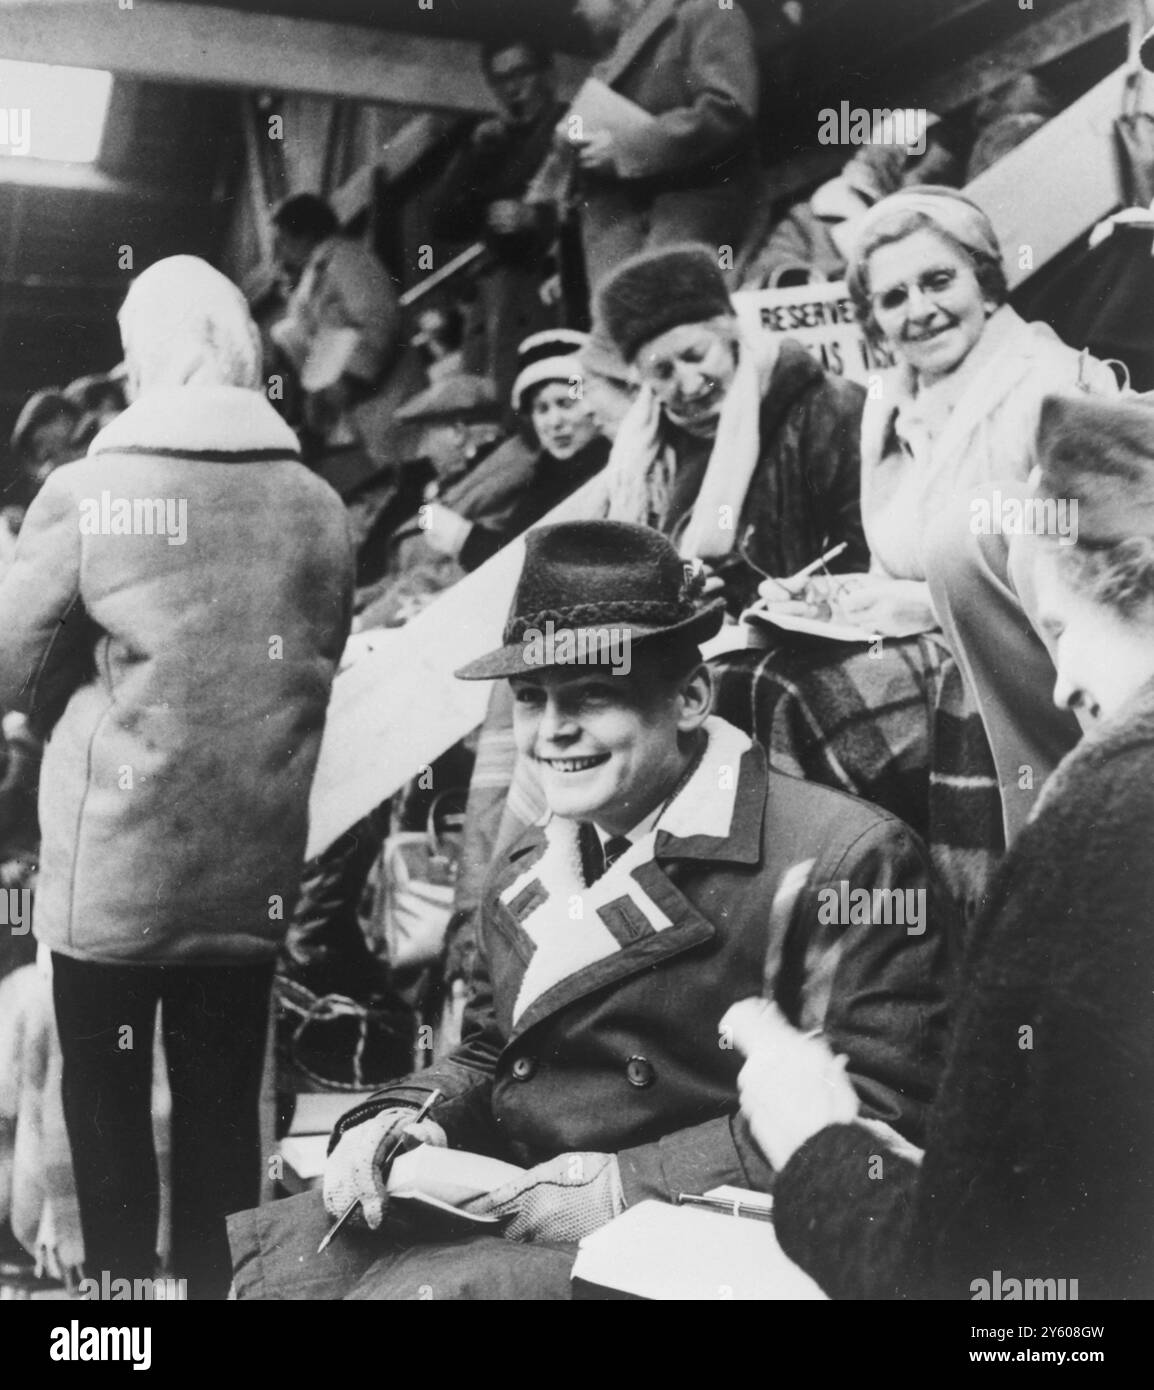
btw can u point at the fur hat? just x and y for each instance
(603, 582)
(1099, 452)
(655, 291)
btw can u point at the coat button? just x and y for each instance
(524, 1068)
(639, 1072)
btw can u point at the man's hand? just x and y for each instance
(595, 153)
(564, 1199)
(792, 1086)
(356, 1169)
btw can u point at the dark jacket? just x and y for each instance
(501, 168)
(175, 784)
(1040, 1156)
(805, 494)
(622, 1056)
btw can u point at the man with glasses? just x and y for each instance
(482, 198)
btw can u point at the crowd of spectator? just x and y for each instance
(602, 360)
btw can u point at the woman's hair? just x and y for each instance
(1118, 576)
(988, 269)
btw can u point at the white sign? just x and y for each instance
(822, 319)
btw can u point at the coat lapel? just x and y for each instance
(569, 940)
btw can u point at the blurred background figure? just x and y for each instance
(339, 334)
(689, 173)
(44, 437)
(100, 399)
(439, 338)
(813, 240)
(481, 197)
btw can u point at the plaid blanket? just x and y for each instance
(896, 727)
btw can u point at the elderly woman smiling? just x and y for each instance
(739, 446)
(959, 407)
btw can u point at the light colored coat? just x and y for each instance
(194, 677)
(917, 456)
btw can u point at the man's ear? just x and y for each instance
(696, 698)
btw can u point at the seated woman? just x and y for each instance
(1038, 1163)
(549, 397)
(957, 413)
(739, 448)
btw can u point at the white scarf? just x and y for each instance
(640, 472)
(565, 924)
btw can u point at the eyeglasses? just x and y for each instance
(933, 284)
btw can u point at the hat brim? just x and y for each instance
(523, 658)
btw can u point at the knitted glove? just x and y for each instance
(355, 1169)
(564, 1199)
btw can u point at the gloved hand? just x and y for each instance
(564, 1199)
(355, 1167)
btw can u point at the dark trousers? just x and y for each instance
(215, 1021)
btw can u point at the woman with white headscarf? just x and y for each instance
(175, 611)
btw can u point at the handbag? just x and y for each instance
(416, 877)
(338, 1043)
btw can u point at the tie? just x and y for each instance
(613, 850)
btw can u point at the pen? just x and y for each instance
(733, 1208)
(813, 566)
(430, 1100)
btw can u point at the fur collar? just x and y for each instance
(569, 924)
(229, 423)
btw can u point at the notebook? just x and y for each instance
(661, 1252)
(446, 1179)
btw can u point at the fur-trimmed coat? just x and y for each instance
(192, 672)
(593, 1016)
(1040, 1156)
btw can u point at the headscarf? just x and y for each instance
(185, 324)
(945, 208)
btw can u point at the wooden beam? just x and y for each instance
(203, 45)
(1055, 186)
(1040, 42)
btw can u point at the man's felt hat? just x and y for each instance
(652, 292)
(604, 582)
(1098, 451)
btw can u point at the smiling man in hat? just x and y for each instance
(673, 875)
